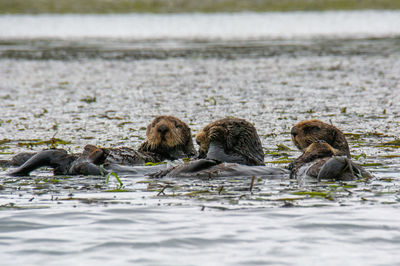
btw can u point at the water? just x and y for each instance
(238, 26)
(61, 76)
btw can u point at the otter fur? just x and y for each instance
(167, 138)
(320, 160)
(307, 132)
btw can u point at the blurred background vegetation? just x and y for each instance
(178, 6)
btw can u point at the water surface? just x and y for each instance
(101, 79)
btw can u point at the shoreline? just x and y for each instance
(179, 6)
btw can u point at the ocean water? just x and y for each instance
(100, 79)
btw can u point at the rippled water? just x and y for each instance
(104, 90)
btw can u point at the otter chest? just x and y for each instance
(125, 156)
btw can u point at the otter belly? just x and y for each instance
(124, 156)
(226, 170)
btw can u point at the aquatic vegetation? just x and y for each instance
(123, 6)
(116, 177)
(153, 164)
(51, 143)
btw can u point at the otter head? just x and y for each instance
(170, 137)
(311, 131)
(231, 140)
(312, 153)
(320, 149)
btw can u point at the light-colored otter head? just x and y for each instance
(307, 132)
(320, 149)
(318, 153)
(233, 140)
(168, 135)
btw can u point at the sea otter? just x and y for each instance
(320, 160)
(228, 147)
(231, 140)
(167, 138)
(307, 132)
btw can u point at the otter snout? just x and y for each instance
(163, 129)
(294, 132)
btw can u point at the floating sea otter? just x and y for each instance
(320, 160)
(228, 147)
(326, 153)
(167, 138)
(307, 132)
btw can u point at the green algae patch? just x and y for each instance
(22, 207)
(144, 182)
(311, 193)
(390, 156)
(371, 164)
(353, 135)
(195, 193)
(291, 199)
(117, 190)
(116, 177)
(153, 164)
(386, 179)
(392, 143)
(326, 195)
(4, 141)
(282, 147)
(51, 180)
(279, 161)
(178, 6)
(89, 99)
(53, 142)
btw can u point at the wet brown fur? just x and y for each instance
(237, 137)
(307, 132)
(167, 138)
(324, 162)
(167, 134)
(315, 151)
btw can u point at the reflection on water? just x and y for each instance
(220, 26)
(104, 92)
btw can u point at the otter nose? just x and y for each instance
(163, 129)
(294, 132)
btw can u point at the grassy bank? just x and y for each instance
(177, 6)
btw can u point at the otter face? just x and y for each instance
(310, 131)
(168, 132)
(320, 149)
(236, 140)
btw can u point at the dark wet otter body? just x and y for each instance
(17, 160)
(228, 147)
(167, 138)
(307, 132)
(320, 161)
(231, 140)
(206, 168)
